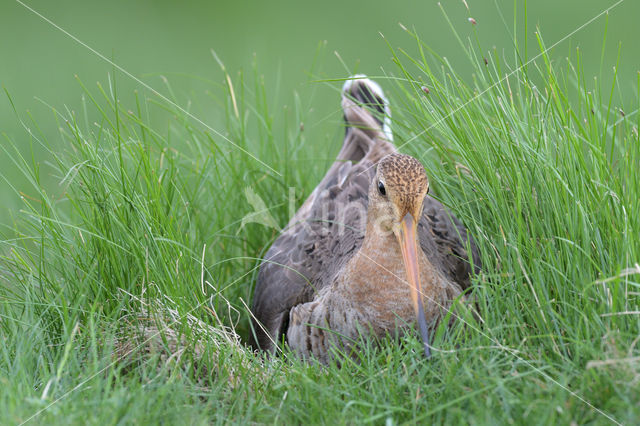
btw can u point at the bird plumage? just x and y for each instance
(321, 280)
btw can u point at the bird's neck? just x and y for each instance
(380, 247)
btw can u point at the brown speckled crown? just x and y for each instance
(405, 179)
(404, 173)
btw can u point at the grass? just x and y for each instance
(142, 232)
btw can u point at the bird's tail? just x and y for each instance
(367, 119)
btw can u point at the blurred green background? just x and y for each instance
(158, 38)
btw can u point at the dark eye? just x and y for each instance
(381, 189)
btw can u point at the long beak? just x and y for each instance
(408, 244)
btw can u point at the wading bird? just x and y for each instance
(369, 253)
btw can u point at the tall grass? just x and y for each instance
(142, 232)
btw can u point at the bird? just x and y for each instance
(369, 253)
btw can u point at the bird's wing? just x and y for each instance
(445, 240)
(307, 255)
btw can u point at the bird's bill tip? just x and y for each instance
(409, 245)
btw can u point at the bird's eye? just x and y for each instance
(381, 189)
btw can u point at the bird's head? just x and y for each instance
(398, 189)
